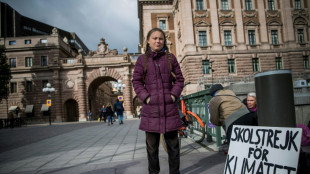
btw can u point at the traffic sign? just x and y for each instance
(120, 98)
(48, 102)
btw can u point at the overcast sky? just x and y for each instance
(115, 20)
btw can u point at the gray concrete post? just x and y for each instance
(275, 98)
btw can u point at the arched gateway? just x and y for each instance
(87, 79)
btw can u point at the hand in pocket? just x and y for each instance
(173, 98)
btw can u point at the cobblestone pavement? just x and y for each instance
(93, 147)
(20, 136)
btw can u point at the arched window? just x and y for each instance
(202, 34)
(275, 32)
(227, 29)
(301, 28)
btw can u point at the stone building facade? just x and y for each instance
(81, 82)
(219, 41)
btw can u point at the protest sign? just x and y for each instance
(262, 150)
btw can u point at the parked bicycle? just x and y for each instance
(190, 123)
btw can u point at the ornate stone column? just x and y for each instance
(239, 26)
(127, 94)
(82, 96)
(57, 103)
(288, 23)
(215, 28)
(263, 26)
(187, 27)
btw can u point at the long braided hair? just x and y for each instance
(147, 51)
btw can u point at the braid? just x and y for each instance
(168, 56)
(170, 64)
(146, 60)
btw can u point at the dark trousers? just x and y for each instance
(152, 144)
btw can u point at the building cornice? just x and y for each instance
(155, 1)
(151, 2)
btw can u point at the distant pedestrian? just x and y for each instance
(109, 113)
(99, 115)
(103, 113)
(11, 118)
(119, 109)
(89, 114)
(140, 112)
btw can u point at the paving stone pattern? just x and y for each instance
(95, 148)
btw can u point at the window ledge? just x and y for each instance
(249, 11)
(229, 10)
(253, 45)
(204, 47)
(228, 46)
(304, 43)
(204, 10)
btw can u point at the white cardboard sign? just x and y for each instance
(263, 150)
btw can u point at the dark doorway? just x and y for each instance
(71, 110)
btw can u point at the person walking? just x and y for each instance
(158, 82)
(89, 114)
(103, 113)
(12, 119)
(140, 111)
(119, 109)
(109, 113)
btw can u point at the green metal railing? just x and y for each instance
(198, 103)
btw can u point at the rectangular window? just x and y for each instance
(202, 38)
(70, 61)
(44, 83)
(28, 41)
(231, 65)
(12, 42)
(248, 5)
(162, 24)
(274, 37)
(29, 86)
(44, 61)
(13, 87)
(224, 5)
(13, 62)
(199, 4)
(28, 62)
(300, 35)
(271, 5)
(205, 67)
(227, 38)
(306, 62)
(297, 4)
(252, 37)
(43, 41)
(255, 64)
(278, 63)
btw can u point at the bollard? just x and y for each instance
(275, 99)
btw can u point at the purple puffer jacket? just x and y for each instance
(161, 113)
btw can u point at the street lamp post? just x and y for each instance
(119, 86)
(49, 89)
(212, 70)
